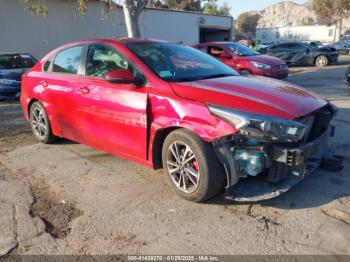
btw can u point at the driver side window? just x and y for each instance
(102, 60)
(215, 51)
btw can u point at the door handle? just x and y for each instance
(84, 90)
(44, 83)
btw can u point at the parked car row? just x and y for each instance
(12, 66)
(298, 53)
(245, 60)
(343, 47)
(171, 106)
(272, 60)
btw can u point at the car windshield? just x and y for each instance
(177, 63)
(241, 50)
(16, 61)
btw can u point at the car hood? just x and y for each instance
(252, 94)
(266, 59)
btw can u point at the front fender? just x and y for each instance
(194, 116)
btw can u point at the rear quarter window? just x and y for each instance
(68, 60)
(47, 65)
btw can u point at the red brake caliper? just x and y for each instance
(195, 165)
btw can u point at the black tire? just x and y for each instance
(211, 172)
(321, 61)
(41, 127)
(245, 72)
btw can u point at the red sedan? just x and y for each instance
(246, 60)
(170, 106)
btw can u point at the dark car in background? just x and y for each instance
(245, 60)
(343, 47)
(347, 76)
(12, 66)
(297, 53)
(316, 44)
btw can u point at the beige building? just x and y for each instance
(22, 31)
(325, 34)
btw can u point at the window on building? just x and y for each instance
(68, 61)
(264, 35)
(330, 32)
(278, 35)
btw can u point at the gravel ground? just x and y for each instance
(67, 198)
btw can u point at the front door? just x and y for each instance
(223, 55)
(112, 116)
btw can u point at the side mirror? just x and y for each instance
(120, 76)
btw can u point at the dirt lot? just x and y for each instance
(67, 198)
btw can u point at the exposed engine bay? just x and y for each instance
(267, 158)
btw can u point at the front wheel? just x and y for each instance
(321, 61)
(192, 167)
(40, 124)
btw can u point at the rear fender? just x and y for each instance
(49, 109)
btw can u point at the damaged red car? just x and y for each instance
(170, 106)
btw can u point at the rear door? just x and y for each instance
(113, 116)
(298, 54)
(281, 51)
(57, 83)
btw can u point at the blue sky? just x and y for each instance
(240, 6)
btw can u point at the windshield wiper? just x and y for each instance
(216, 76)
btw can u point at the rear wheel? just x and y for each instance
(321, 61)
(193, 169)
(40, 124)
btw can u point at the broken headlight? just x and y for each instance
(260, 126)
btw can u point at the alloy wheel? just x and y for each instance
(321, 61)
(39, 123)
(183, 167)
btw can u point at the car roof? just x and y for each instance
(117, 40)
(121, 41)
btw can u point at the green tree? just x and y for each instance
(132, 10)
(187, 5)
(155, 4)
(332, 12)
(204, 6)
(225, 9)
(247, 22)
(212, 7)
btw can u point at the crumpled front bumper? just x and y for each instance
(294, 164)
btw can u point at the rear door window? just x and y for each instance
(68, 61)
(296, 46)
